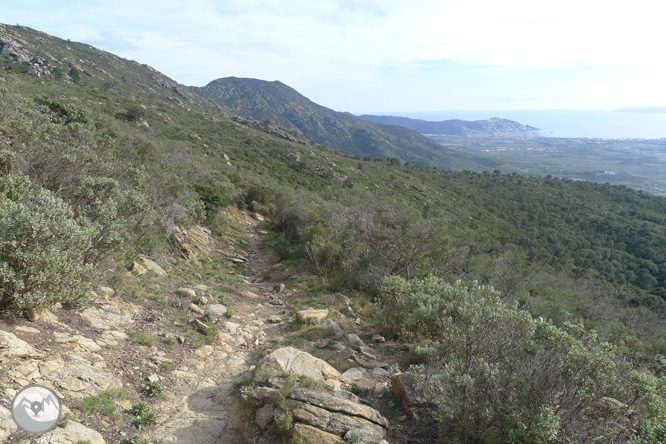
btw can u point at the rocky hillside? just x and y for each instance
(282, 104)
(166, 355)
(480, 128)
(178, 276)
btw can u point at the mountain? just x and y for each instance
(263, 100)
(479, 128)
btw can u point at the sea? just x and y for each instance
(593, 124)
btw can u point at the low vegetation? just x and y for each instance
(538, 304)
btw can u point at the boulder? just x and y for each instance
(354, 374)
(106, 317)
(153, 266)
(217, 310)
(289, 359)
(333, 327)
(138, 269)
(186, 293)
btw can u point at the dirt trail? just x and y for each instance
(206, 407)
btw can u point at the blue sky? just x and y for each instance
(387, 55)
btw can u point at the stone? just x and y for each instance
(78, 376)
(238, 260)
(312, 434)
(264, 394)
(106, 317)
(378, 338)
(275, 319)
(180, 339)
(79, 340)
(204, 351)
(339, 347)
(107, 291)
(354, 374)
(35, 315)
(264, 416)
(186, 293)
(138, 269)
(367, 435)
(333, 327)
(48, 318)
(202, 327)
(231, 327)
(289, 359)
(336, 423)
(7, 424)
(12, 346)
(153, 378)
(354, 340)
(153, 266)
(248, 294)
(342, 299)
(72, 433)
(217, 310)
(379, 372)
(333, 403)
(312, 314)
(278, 288)
(26, 329)
(196, 309)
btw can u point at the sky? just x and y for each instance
(386, 55)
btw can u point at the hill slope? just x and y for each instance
(276, 101)
(96, 170)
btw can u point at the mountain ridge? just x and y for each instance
(456, 127)
(276, 101)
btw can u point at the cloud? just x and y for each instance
(366, 43)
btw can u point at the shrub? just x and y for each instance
(41, 248)
(498, 375)
(143, 415)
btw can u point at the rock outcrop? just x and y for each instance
(324, 418)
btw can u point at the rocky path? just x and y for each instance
(207, 407)
(81, 355)
(151, 332)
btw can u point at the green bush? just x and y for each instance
(42, 248)
(498, 375)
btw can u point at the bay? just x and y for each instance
(601, 124)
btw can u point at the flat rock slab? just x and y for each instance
(78, 376)
(334, 403)
(73, 433)
(12, 346)
(313, 434)
(106, 317)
